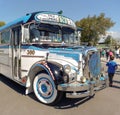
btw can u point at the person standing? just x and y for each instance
(112, 66)
(103, 53)
(110, 53)
(107, 54)
(117, 53)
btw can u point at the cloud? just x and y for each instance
(114, 34)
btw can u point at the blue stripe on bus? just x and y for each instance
(31, 47)
(23, 47)
(72, 55)
(56, 51)
(5, 46)
(23, 19)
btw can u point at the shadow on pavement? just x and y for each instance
(115, 81)
(115, 86)
(65, 103)
(117, 72)
(13, 85)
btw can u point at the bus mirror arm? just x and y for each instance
(47, 54)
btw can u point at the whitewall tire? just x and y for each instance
(45, 89)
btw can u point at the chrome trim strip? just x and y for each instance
(75, 86)
(24, 70)
(33, 56)
(78, 95)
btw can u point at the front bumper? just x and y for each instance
(77, 90)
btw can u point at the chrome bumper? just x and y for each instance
(77, 90)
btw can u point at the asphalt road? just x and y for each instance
(14, 102)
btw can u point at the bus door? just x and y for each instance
(16, 62)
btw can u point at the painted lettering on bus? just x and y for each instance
(30, 52)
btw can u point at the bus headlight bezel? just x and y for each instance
(67, 68)
(83, 79)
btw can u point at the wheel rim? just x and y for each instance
(45, 88)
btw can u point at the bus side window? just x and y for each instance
(0, 38)
(26, 35)
(16, 36)
(34, 33)
(5, 37)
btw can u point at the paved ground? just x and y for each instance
(12, 101)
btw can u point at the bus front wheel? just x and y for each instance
(45, 89)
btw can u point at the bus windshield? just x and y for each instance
(52, 34)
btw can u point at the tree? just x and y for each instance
(2, 23)
(93, 27)
(110, 41)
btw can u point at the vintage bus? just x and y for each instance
(41, 52)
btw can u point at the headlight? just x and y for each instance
(67, 68)
(83, 79)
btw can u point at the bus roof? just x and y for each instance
(41, 16)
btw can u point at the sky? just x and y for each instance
(74, 9)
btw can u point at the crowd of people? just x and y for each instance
(111, 64)
(106, 53)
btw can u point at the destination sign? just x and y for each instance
(54, 18)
